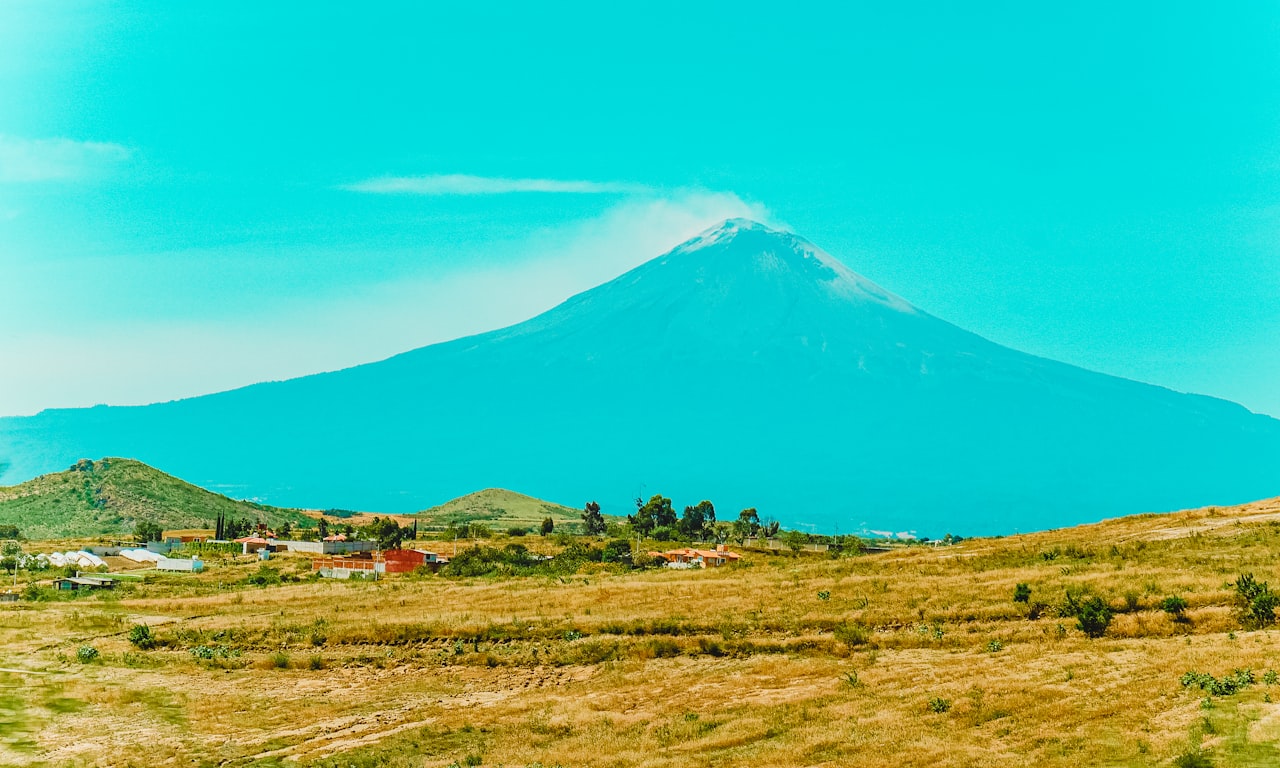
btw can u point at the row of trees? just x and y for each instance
(657, 518)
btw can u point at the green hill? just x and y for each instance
(111, 496)
(498, 508)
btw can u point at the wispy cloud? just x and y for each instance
(462, 184)
(32, 160)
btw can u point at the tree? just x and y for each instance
(699, 521)
(657, 512)
(794, 541)
(323, 526)
(617, 551)
(386, 532)
(593, 521)
(285, 529)
(10, 532)
(548, 525)
(10, 552)
(146, 530)
(746, 526)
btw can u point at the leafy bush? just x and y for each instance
(1256, 601)
(1233, 683)
(994, 646)
(1192, 758)
(1022, 593)
(209, 652)
(1094, 617)
(141, 636)
(617, 551)
(279, 660)
(263, 577)
(86, 654)
(1174, 606)
(517, 531)
(939, 705)
(824, 595)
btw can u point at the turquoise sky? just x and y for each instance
(195, 196)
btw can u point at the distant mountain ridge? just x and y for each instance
(745, 366)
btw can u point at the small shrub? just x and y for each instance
(851, 635)
(1022, 593)
(1270, 678)
(279, 660)
(824, 595)
(517, 531)
(1174, 606)
(1192, 758)
(86, 654)
(994, 646)
(315, 663)
(142, 637)
(1094, 617)
(1256, 602)
(210, 652)
(1231, 684)
(939, 705)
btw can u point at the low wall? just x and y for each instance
(326, 547)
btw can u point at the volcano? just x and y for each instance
(746, 366)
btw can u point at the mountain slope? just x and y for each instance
(499, 508)
(745, 366)
(111, 496)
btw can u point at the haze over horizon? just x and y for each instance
(197, 198)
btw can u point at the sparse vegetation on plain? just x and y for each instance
(912, 657)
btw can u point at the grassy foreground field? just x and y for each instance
(915, 657)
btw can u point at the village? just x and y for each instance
(103, 566)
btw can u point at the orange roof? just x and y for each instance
(704, 553)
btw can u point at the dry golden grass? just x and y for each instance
(727, 667)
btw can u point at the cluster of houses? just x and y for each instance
(333, 557)
(375, 564)
(697, 558)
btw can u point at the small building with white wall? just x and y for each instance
(191, 565)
